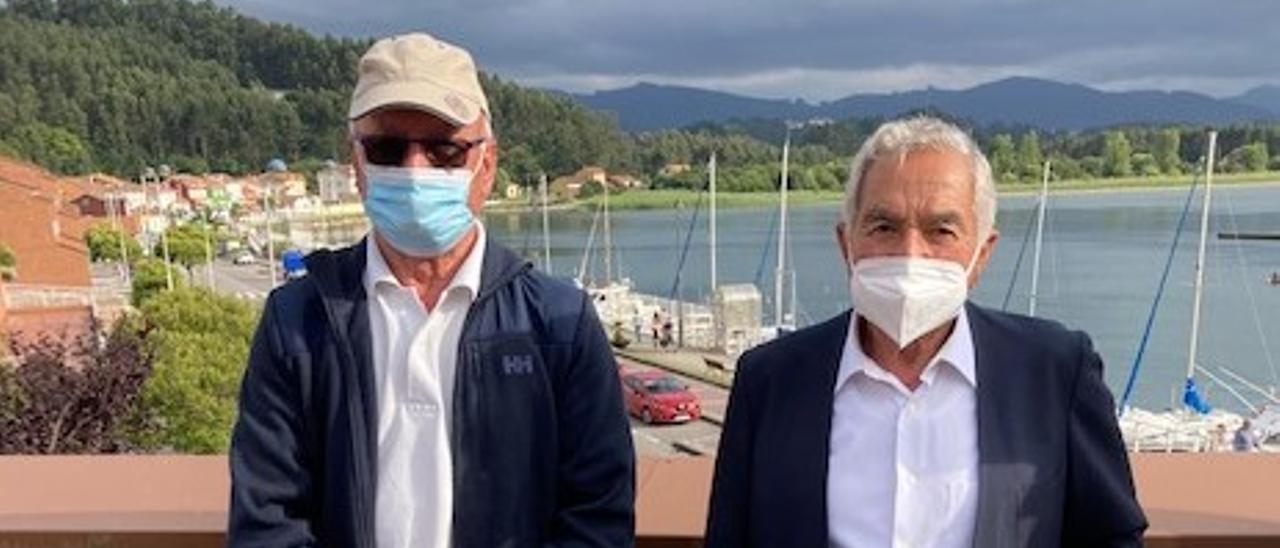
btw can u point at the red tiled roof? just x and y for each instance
(32, 203)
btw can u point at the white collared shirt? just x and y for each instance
(415, 355)
(903, 466)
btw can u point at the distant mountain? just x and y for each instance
(646, 106)
(1267, 97)
(1013, 101)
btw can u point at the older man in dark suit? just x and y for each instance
(917, 419)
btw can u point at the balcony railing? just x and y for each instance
(1209, 500)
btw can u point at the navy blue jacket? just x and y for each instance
(1052, 467)
(542, 455)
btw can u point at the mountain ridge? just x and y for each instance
(1018, 100)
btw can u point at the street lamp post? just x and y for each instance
(118, 223)
(150, 178)
(274, 166)
(208, 253)
(164, 234)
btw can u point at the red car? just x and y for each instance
(658, 397)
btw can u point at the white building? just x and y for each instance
(337, 183)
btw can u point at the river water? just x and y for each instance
(1102, 260)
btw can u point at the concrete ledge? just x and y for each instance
(685, 363)
(1219, 500)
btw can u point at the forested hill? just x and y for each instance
(116, 86)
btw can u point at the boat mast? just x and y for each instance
(546, 231)
(795, 320)
(1035, 264)
(711, 183)
(780, 277)
(1199, 280)
(586, 252)
(608, 237)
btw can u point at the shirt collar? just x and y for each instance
(957, 352)
(378, 274)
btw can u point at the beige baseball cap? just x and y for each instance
(420, 72)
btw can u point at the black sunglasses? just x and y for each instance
(389, 150)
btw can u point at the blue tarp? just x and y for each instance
(1191, 396)
(293, 263)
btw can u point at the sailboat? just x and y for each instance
(615, 304)
(1196, 426)
(1035, 263)
(784, 319)
(1041, 210)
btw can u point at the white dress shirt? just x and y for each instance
(415, 355)
(903, 466)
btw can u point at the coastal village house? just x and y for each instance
(569, 187)
(337, 183)
(42, 223)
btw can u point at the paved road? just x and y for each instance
(694, 437)
(244, 281)
(697, 437)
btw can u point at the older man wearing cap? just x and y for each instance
(426, 386)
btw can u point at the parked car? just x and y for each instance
(655, 397)
(244, 259)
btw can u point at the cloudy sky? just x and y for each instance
(826, 49)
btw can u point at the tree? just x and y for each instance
(149, 279)
(521, 163)
(1117, 155)
(8, 263)
(1093, 166)
(825, 178)
(71, 396)
(1004, 160)
(1065, 168)
(189, 244)
(200, 341)
(1255, 156)
(590, 189)
(1250, 157)
(104, 244)
(1168, 141)
(1030, 157)
(753, 178)
(1145, 165)
(53, 147)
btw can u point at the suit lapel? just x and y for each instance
(812, 434)
(996, 520)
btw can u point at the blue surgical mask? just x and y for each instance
(420, 211)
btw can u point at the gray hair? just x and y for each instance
(924, 132)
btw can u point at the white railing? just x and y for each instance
(19, 296)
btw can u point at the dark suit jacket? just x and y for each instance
(1052, 466)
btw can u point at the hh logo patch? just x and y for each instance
(517, 365)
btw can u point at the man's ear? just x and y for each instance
(357, 162)
(490, 162)
(985, 249)
(485, 177)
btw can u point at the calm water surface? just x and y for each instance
(1103, 256)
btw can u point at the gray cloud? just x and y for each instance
(824, 49)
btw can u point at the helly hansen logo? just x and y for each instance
(517, 365)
